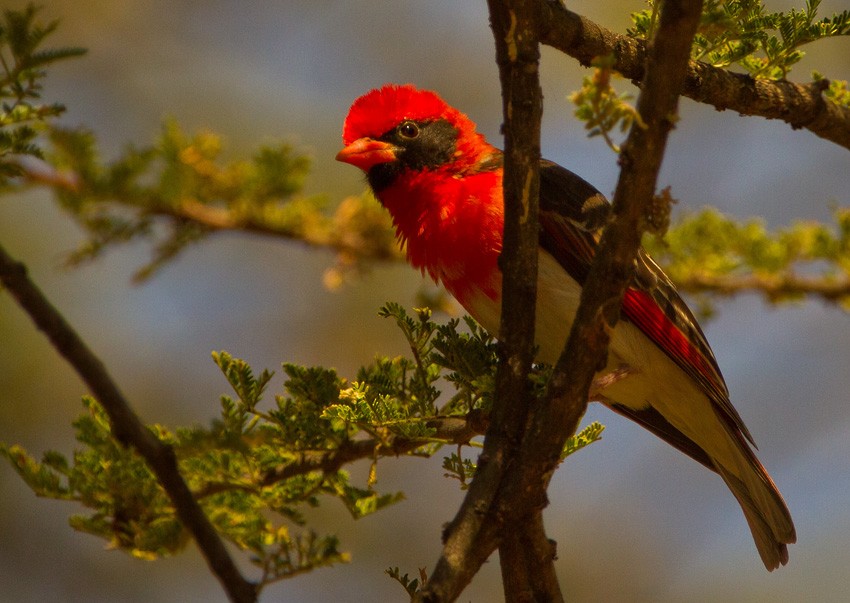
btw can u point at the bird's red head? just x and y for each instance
(384, 126)
(380, 110)
(438, 178)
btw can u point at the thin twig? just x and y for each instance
(451, 430)
(557, 415)
(126, 426)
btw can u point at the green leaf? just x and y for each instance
(587, 436)
(411, 585)
(256, 470)
(460, 469)
(23, 62)
(742, 32)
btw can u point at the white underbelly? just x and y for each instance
(654, 379)
(557, 301)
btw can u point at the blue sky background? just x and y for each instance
(634, 519)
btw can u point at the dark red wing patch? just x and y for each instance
(661, 314)
(641, 309)
(571, 219)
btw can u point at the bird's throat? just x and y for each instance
(451, 227)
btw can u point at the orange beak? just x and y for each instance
(367, 152)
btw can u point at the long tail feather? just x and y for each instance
(766, 513)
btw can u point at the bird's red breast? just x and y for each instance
(433, 206)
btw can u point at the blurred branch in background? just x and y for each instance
(179, 192)
(712, 255)
(22, 67)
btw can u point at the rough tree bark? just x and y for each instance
(522, 448)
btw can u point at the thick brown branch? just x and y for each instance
(522, 489)
(527, 558)
(598, 312)
(559, 413)
(799, 105)
(475, 531)
(521, 449)
(126, 426)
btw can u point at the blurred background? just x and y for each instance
(634, 519)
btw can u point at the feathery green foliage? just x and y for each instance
(463, 470)
(584, 438)
(743, 32)
(600, 107)
(179, 190)
(256, 469)
(180, 178)
(718, 252)
(22, 68)
(411, 585)
(837, 92)
(730, 33)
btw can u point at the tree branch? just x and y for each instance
(475, 531)
(449, 430)
(799, 105)
(612, 270)
(339, 240)
(526, 555)
(354, 239)
(774, 288)
(454, 430)
(558, 414)
(342, 233)
(126, 426)
(527, 558)
(522, 451)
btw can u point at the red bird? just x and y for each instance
(442, 183)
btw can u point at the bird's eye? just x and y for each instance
(408, 130)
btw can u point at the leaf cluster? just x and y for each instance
(411, 585)
(181, 189)
(259, 467)
(743, 32)
(22, 68)
(709, 247)
(837, 91)
(130, 509)
(179, 172)
(463, 469)
(601, 107)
